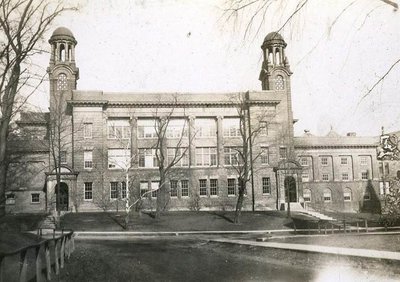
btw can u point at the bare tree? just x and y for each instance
(169, 152)
(243, 158)
(254, 14)
(23, 24)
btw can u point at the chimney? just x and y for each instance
(351, 134)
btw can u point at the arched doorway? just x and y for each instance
(290, 188)
(62, 196)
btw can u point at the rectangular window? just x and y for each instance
(147, 128)
(179, 156)
(364, 175)
(118, 128)
(185, 188)
(347, 196)
(10, 198)
(345, 176)
(305, 177)
(144, 187)
(87, 130)
(324, 161)
(231, 186)
(304, 161)
(384, 187)
(325, 177)
(213, 187)
(231, 127)
(88, 159)
(363, 160)
(343, 160)
(154, 188)
(123, 190)
(264, 128)
(367, 196)
(203, 187)
(381, 168)
(264, 155)
(35, 198)
(307, 195)
(266, 185)
(387, 168)
(88, 190)
(119, 158)
(205, 127)
(232, 155)
(206, 156)
(282, 153)
(174, 188)
(63, 157)
(113, 190)
(177, 128)
(327, 196)
(148, 158)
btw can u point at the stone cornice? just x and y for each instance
(341, 146)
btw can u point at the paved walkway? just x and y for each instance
(318, 249)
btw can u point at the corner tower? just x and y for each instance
(62, 70)
(275, 70)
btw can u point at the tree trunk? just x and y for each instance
(160, 195)
(239, 203)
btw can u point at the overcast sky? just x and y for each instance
(187, 46)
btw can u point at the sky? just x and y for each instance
(337, 51)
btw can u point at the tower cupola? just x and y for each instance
(275, 68)
(63, 45)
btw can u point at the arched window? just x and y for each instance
(62, 82)
(277, 57)
(307, 195)
(279, 83)
(347, 194)
(62, 53)
(327, 195)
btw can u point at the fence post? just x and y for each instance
(62, 252)
(73, 239)
(2, 268)
(344, 225)
(48, 260)
(38, 264)
(332, 228)
(366, 225)
(319, 227)
(325, 227)
(23, 265)
(56, 256)
(358, 227)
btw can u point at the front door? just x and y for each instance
(290, 189)
(63, 197)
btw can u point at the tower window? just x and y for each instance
(62, 82)
(279, 83)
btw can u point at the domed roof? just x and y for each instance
(62, 33)
(274, 38)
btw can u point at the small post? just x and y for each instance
(295, 229)
(2, 268)
(325, 228)
(366, 225)
(62, 252)
(319, 227)
(344, 225)
(23, 266)
(308, 227)
(332, 228)
(48, 260)
(39, 277)
(56, 257)
(54, 233)
(73, 239)
(358, 227)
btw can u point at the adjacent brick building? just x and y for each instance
(104, 135)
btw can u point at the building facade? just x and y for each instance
(108, 146)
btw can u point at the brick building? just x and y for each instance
(103, 136)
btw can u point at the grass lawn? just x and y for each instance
(386, 242)
(181, 221)
(20, 222)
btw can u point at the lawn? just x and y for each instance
(181, 221)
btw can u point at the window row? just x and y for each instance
(305, 176)
(327, 195)
(206, 187)
(120, 128)
(327, 160)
